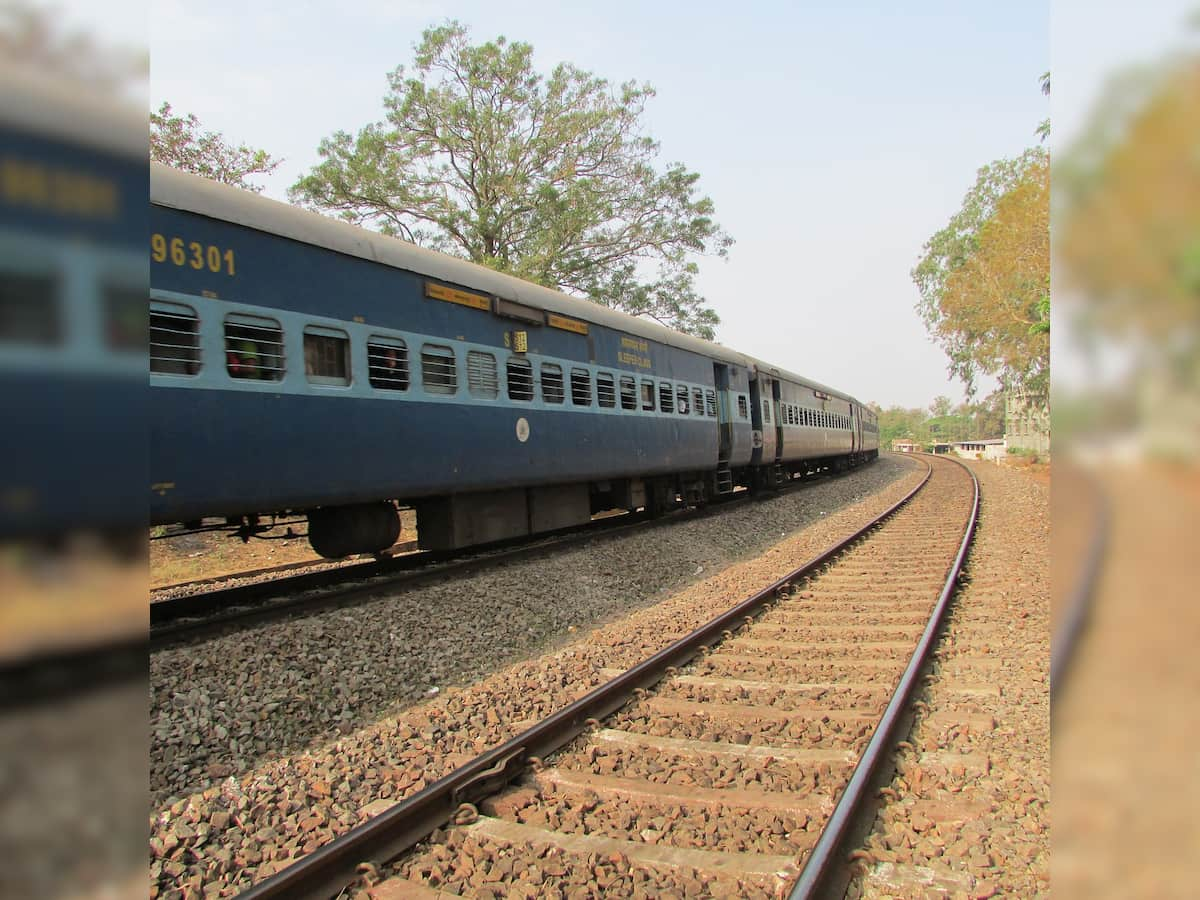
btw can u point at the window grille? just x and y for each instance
(387, 364)
(710, 404)
(520, 379)
(29, 309)
(743, 408)
(697, 401)
(253, 348)
(174, 339)
(648, 395)
(606, 392)
(482, 380)
(681, 399)
(326, 356)
(126, 320)
(666, 400)
(766, 410)
(628, 393)
(439, 369)
(552, 383)
(581, 387)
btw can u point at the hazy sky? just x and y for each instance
(833, 138)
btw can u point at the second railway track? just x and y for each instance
(730, 762)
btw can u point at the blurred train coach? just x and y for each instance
(301, 364)
(73, 277)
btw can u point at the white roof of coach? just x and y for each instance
(179, 190)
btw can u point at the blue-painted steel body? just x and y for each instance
(222, 446)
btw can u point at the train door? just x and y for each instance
(756, 421)
(724, 416)
(855, 430)
(775, 398)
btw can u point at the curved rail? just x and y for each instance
(329, 869)
(826, 861)
(1066, 637)
(194, 616)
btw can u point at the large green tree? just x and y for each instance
(179, 142)
(549, 178)
(984, 279)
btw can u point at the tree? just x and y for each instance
(546, 178)
(35, 37)
(984, 279)
(1043, 129)
(179, 142)
(940, 406)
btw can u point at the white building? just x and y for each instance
(992, 448)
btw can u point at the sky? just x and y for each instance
(833, 138)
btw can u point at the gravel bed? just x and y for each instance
(799, 731)
(275, 734)
(980, 829)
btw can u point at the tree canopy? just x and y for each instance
(179, 142)
(984, 279)
(548, 178)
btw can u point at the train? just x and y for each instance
(73, 318)
(302, 365)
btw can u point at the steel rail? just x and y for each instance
(1066, 636)
(194, 616)
(328, 870)
(826, 862)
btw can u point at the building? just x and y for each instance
(1027, 421)
(905, 445)
(992, 448)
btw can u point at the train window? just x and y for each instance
(581, 387)
(766, 410)
(710, 404)
(681, 399)
(743, 408)
(439, 370)
(174, 339)
(253, 348)
(552, 383)
(648, 395)
(125, 317)
(326, 356)
(387, 363)
(482, 380)
(628, 393)
(666, 401)
(29, 312)
(698, 401)
(606, 392)
(520, 379)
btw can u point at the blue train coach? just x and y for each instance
(302, 364)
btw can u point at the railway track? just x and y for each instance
(735, 761)
(199, 615)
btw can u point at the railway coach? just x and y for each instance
(302, 364)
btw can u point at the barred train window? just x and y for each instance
(174, 339)
(253, 348)
(29, 309)
(743, 408)
(766, 410)
(681, 399)
(520, 379)
(581, 387)
(606, 392)
(482, 380)
(697, 401)
(710, 404)
(648, 395)
(666, 402)
(387, 363)
(125, 317)
(552, 383)
(326, 356)
(628, 393)
(439, 370)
